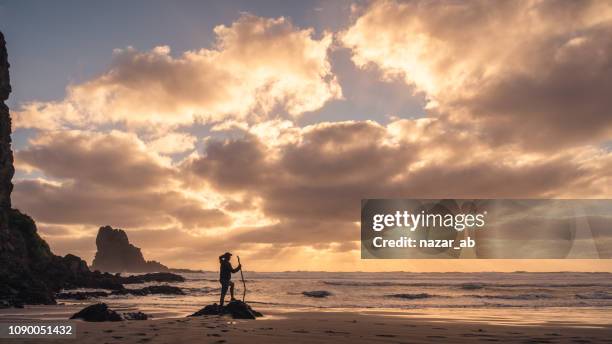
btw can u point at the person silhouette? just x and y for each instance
(225, 276)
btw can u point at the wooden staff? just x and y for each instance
(242, 277)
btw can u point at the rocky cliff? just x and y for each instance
(116, 254)
(29, 271)
(6, 154)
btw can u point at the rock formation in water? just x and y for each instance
(116, 254)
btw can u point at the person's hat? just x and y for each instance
(226, 255)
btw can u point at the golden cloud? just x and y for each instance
(511, 69)
(507, 86)
(256, 67)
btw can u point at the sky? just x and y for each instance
(258, 126)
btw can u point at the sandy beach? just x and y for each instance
(282, 326)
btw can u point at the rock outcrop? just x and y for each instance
(116, 254)
(101, 312)
(317, 293)
(97, 312)
(236, 309)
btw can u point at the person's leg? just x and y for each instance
(224, 286)
(232, 290)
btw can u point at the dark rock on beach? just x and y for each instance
(237, 309)
(116, 254)
(97, 312)
(208, 310)
(240, 310)
(317, 293)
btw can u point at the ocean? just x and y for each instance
(398, 291)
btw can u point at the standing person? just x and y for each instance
(225, 276)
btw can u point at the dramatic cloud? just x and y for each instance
(282, 187)
(97, 179)
(200, 153)
(510, 68)
(115, 160)
(257, 66)
(318, 182)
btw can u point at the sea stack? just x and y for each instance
(116, 254)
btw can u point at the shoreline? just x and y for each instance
(515, 316)
(349, 326)
(281, 325)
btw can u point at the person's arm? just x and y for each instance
(237, 268)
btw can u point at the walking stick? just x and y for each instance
(242, 277)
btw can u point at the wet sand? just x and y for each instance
(339, 327)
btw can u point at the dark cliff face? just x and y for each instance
(29, 271)
(116, 254)
(6, 154)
